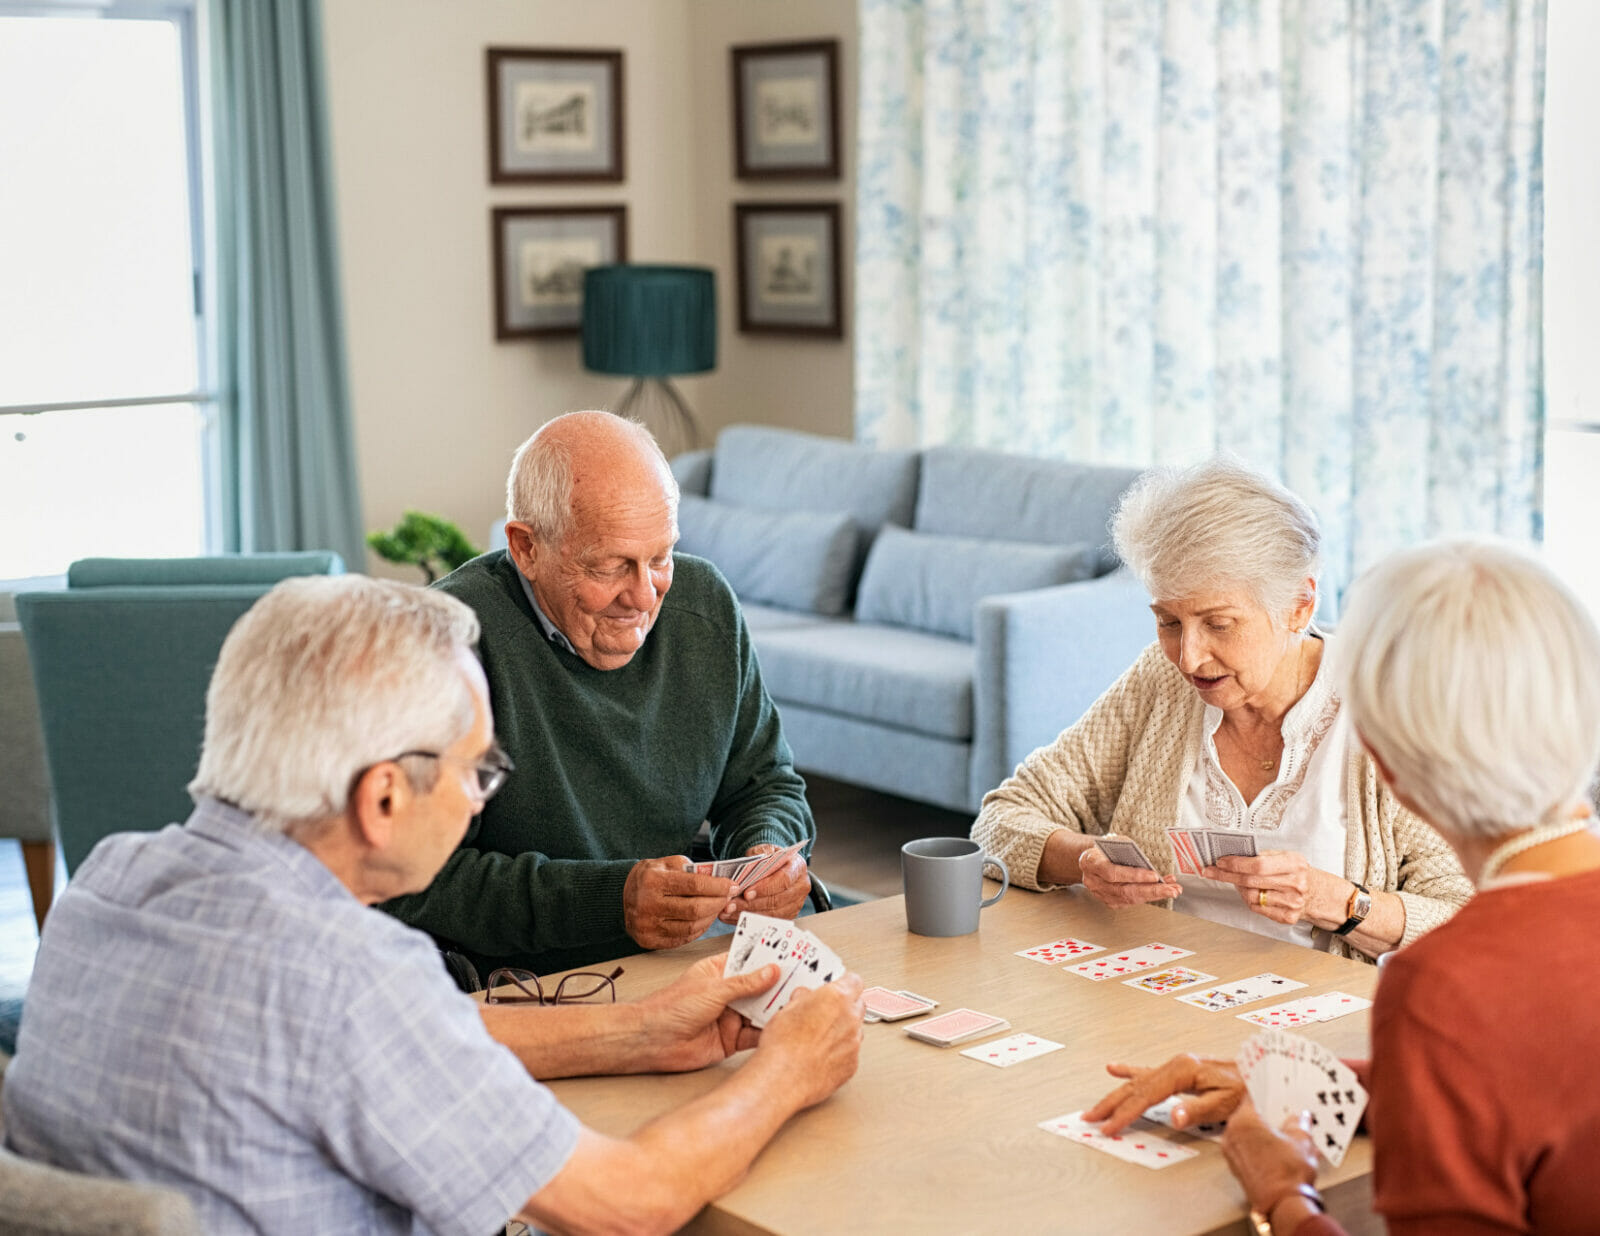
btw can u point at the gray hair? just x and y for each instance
(1218, 524)
(539, 487)
(324, 676)
(1473, 674)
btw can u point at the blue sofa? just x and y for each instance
(924, 619)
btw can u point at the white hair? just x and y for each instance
(1218, 525)
(323, 677)
(539, 487)
(1473, 674)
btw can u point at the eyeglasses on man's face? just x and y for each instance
(492, 768)
(524, 987)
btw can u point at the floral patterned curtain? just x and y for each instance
(1304, 231)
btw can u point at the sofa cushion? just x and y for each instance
(761, 618)
(891, 675)
(934, 583)
(802, 560)
(782, 469)
(970, 492)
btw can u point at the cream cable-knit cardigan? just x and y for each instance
(1123, 767)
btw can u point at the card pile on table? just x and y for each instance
(1287, 1074)
(957, 1026)
(1135, 1144)
(1201, 847)
(884, 1004)
(747, 870)
(1129, 961)
(1307, 1009)
(803, 960)
(1227, 996)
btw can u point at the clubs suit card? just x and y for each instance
(803, 961)
(1287, 1074)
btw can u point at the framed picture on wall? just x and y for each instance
(786, 110)
(789, 276)
(540, 254)
(554, 114)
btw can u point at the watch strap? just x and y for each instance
(1360, 905)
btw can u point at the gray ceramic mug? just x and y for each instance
(944, 885)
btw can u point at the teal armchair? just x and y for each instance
(121, 660)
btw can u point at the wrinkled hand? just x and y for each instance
(1283, 875)
(779, 894)
(1216, 1085)
(1269, 1164)
(664, 906)
(1122, 886)
(817, 1036)
(689, 1023)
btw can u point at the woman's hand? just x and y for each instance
(1216, 1085)
(1269, 1164)
(1280, 885)
(1115, 885)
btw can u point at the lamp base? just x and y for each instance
(656, 403)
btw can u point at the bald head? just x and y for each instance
(577, 460)
(592, 517)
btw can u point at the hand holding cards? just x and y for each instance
(746, 871)
(803, 961)
(1287, 1074)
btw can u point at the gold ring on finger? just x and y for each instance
(1262, 900)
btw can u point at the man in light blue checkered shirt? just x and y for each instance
(215, 1008)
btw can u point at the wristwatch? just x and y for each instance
(1355, 911)
(1263, 1222)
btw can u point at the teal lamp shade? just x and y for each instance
(649, 321)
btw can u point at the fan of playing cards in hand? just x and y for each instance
(1287, 1074)
(751, 869)
(803, 961)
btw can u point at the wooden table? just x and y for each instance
(925, 1140)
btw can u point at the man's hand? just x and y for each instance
(1216, 1085)
(817, 1038)
(1270, 1165)
(1114, 885)
(664, 906)
(780, 894)
(689, 1024)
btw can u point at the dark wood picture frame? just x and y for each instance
(815, 227)
(600, 115)
(514, 319)
(794, 104)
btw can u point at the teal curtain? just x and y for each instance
(288, 475)
(1141, 231)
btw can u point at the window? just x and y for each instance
(1572, 299)
(104, 423)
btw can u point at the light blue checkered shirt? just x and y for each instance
(212, 1010)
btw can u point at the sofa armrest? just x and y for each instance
(1043, 657)
(693, 470)
(39, 1200)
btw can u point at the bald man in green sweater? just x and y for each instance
(626, 691)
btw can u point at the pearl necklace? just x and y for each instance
(1534, 837)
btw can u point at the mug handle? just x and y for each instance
(1005, 880)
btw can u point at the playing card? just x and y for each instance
(1186, 849)
(748, 869)
(1225, 841)
(1013, 1049)
(1124, 853)
(1161, 1113)
(1227, 996)
(1130, 961)
(1058, 951)
(1171, 979)
(1135, 1144)
(1299, 1012)
(1287, 1074)
(1331, 1004)
(885, 1005)
(803, 961)
(956, 1027)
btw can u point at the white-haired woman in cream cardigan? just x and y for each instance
(1227, 722)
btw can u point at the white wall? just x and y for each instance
(440, 405)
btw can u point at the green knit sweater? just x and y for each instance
(613, 766)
